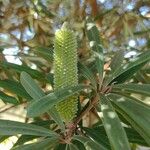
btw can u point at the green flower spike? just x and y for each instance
(65, 70)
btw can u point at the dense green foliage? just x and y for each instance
(86, 86)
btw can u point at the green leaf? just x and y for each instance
(8, 127)
(99, 133)
(135, 112)
(67, 147)
(72, 147)
(113, 127)
(88, 142)
(87, 73)
(19, 68)
(44, 104)
(98, 137)
(117, 60)
(26, 138)
(123, 120)
(55, 115)
(79, 145)
(60, 147)
(96, 46)
(45, 144)
(3, 138)
(31, 86)
(15, 88)
(126, 71)
(142, 77)
(143, 89)
(8, 99)
(43, 123)
(36, 93)
(50, 78)
(135, 137)
(128, 74)
(46, 53)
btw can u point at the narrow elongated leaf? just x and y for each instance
(60, 147)
(87, 73)
(98, 136)
(128, 74)
(19, 68)
(88, 142)
(50, 78)
(8, 99)
(117, 60)
(135, 137)
(72, 147)
(79, 145)
(31, 86)
(8, 127)
(43, 123)
(26, 138)
(45, 52)
(67, 147)
(55, 115)
(136, 112)
(113, 127)
(47, 102)
(96, 46)
(126, 71)
(123, 120)
(15, 88)
(36, 93)
(45, 144)
(142, 77)
(133, 88)
(3, 138)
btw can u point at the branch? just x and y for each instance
(72, 126)
(91, 105)
(7, 108)
(11, 107)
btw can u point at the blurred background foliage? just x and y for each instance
(27, 30)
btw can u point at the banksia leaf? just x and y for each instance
(65, 70)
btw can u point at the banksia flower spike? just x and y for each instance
(65, 70)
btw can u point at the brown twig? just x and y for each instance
(11, 107)
(7, 108)
(91, 105)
